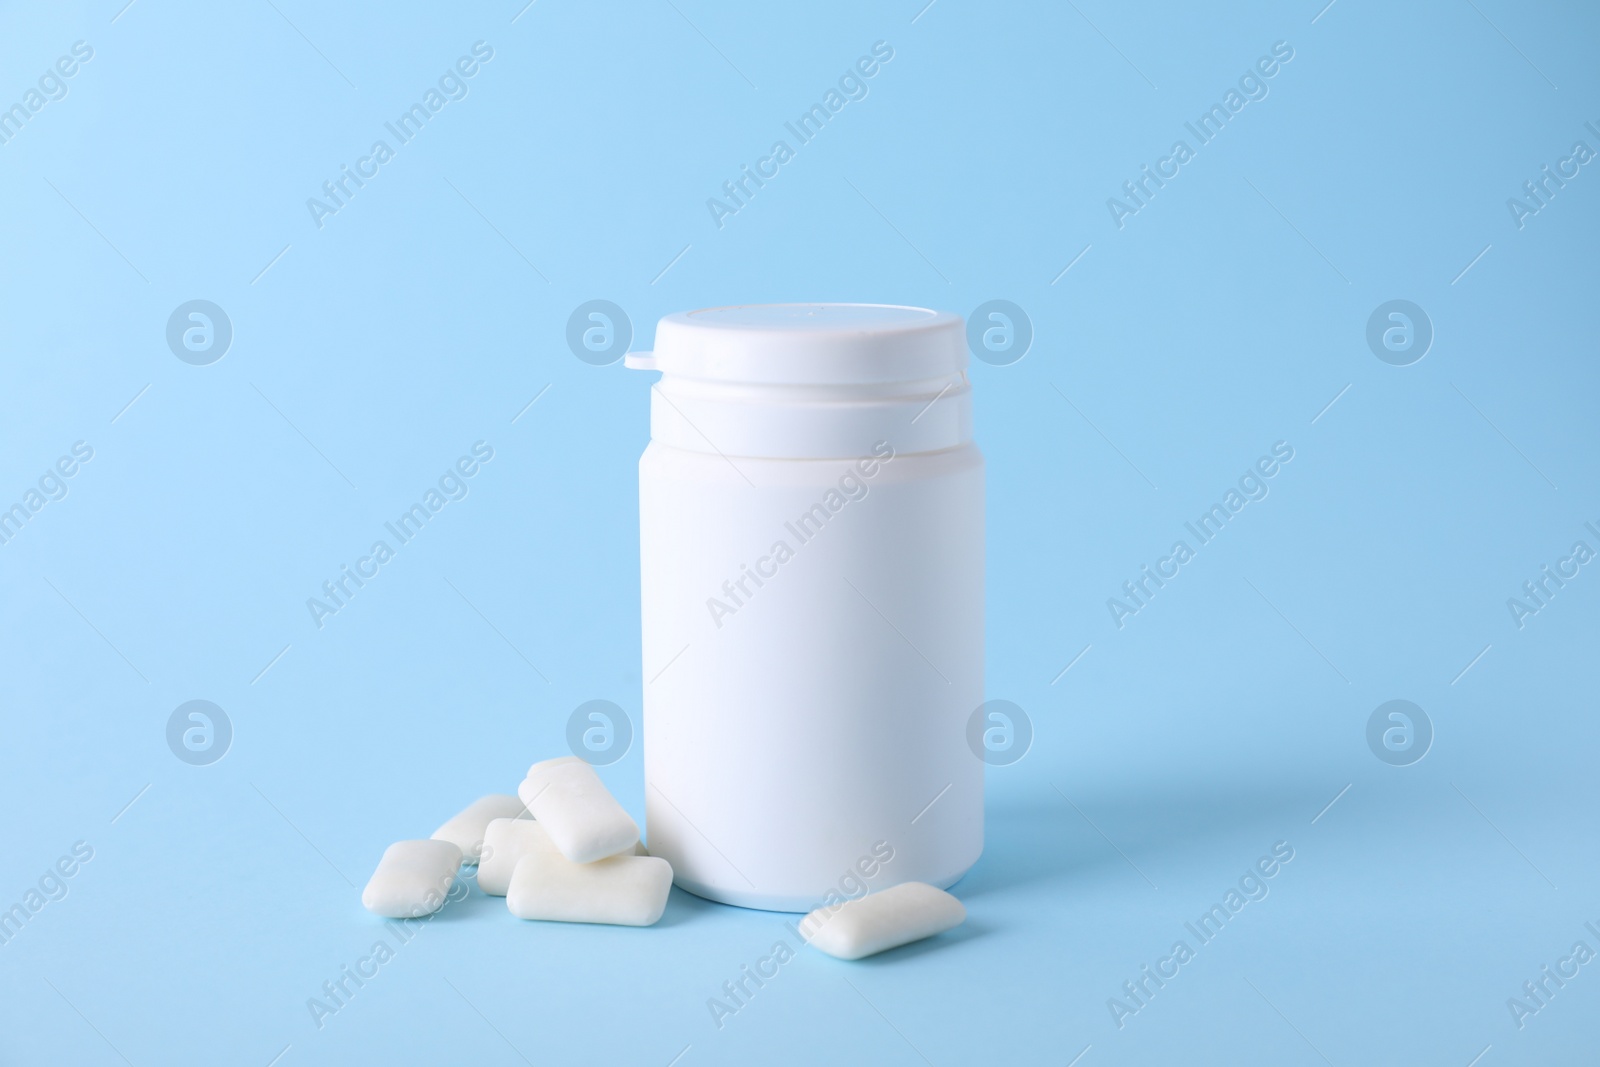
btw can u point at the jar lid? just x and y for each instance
(808, 344)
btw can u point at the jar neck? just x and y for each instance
(810, 421)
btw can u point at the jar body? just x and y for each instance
(813, 650)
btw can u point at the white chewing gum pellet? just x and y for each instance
(622, 890)
(466, 830)
(506, 842)
(583, 819)
(880, 921)
(413, 878)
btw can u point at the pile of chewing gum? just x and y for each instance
(564, 850)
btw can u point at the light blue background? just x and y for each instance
(426, 314)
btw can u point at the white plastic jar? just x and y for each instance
(811, 536)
